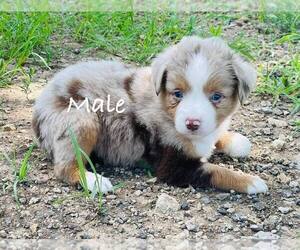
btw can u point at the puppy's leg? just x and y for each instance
(176, 169)
(227, 179)
(54, 134)
(234, 144)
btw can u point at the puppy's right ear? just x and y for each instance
(159, 76)
(159, 69)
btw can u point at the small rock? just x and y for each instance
(237, 217)
(277, 111)
(23, 200)
(267, 110)
(3, 234)
(272, 222)
(205, 200)
(284, 210)
(259, 206)
(191, 226)
(142, 234)
(138, 193)
(267, 131)
(152, 180)
(222, 196)
(34, 200)
(282, 178)
(33, 228)
(9, 127)
(76, 51)
(266, 236)
(184, 206)
(294, 184)
(256, 228)
(277, 123)
(57, 190)
(222, 211)
(274, 171)
(111, 197)
(278, 144)
(166, 204)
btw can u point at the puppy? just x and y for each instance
(175, 113)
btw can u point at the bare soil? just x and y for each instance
(51, 209)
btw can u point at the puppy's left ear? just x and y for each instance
(246, 76)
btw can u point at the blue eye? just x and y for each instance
(216, 97)
(178, 94)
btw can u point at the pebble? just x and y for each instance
(76, 51)
(277, 111)
(256, 228)
(267, 131)
(138, 193)
(166, 204)
(34, 200)
(278, 144)
(205, 200)
(222, 211)
(191, 226)
(9, 127)
(265, 236)
(57, 190)
(184, 205)
(237, 217)
(272, 222)
(259, 206)
(284, 210)
(222, 196)
(2, 234)
(294, 184)
(267, 110)
(142, 234)
(111, 197)
(34, 228)
(152, 180)
(277, 123)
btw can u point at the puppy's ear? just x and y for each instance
(159, 68)
(159, 75)
(246, 77)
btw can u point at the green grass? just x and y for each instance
(79, 153)
(30, 41)
(283, 79)
(20, 171)
(22, 37)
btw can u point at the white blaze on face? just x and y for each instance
(195, 103)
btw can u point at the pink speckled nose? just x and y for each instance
(192, 124)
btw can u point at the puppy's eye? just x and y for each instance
(178, 93)
(216, 97)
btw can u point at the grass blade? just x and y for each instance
(81, 166)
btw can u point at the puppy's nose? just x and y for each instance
(192, 124)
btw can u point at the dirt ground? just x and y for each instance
(50, 209)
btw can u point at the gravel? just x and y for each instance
(166, 204)
(145, 208)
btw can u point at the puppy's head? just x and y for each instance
(201, 82)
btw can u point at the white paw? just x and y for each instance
(257, 186)
(104, 183)
(240, 146)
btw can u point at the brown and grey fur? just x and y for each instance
(146, 128)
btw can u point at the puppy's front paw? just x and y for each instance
(105, 184)
(237, 146)
(256, 185)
